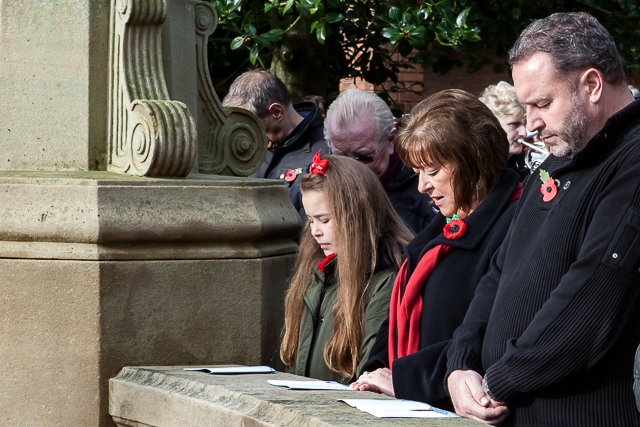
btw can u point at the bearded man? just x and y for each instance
(550, 336)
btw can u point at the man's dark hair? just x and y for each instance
(575, 41)
(256, 90)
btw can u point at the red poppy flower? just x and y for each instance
(455, 229)
(290, 175)
(548, 190)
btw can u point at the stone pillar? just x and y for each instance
(108, 257)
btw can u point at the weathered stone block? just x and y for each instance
(101, 271)
(171, 397)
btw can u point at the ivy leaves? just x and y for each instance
(406, 25)
(376, 39)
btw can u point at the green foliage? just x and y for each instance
(501, 21)
(375, 40)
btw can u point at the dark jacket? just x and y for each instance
(416, 209)
(446, 294)
(295, 152)
(316, 324)
(555, 323)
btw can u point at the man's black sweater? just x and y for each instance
(555, 323)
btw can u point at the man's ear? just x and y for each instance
(276, 110)
(591, 81)
(393, 134)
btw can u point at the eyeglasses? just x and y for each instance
(368, 159)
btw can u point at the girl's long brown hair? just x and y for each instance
(365, 225)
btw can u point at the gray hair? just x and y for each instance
(502, 100)
(256, 90)
(575, 41)
(353, 104)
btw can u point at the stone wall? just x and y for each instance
(109, 255)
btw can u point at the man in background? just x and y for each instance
(360, 125)
(294, 131)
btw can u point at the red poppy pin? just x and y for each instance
(455, 228)
(290, 175)
(549, 189)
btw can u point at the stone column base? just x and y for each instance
(100, 271)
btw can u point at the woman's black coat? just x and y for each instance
(446, 294)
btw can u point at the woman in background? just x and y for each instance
(503, 102)
(350, 251)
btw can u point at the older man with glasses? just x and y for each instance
(360, 125)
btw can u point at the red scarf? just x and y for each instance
(405, 311)
(322, 264)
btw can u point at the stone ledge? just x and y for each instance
(160, 251)
(89, 178)
(171, 397)
(102, 215)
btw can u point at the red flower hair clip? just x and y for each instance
(455, 228)
(318, 165)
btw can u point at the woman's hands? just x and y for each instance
(378, 381)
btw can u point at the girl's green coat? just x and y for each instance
(316, 325)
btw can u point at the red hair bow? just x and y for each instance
(318, 165)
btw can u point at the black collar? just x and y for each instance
(479, 222)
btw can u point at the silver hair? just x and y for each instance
(352, 105)
(256, 90)
(575, 41)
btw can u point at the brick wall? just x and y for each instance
(457, 78)
(426, 82)
(415, 84)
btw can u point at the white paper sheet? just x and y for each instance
(234, 370)
(309, 385)
(397, 408)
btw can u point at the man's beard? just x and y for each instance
(574, 130)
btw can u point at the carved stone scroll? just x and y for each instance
(232, 141)
(149, 135)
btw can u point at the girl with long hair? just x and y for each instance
(350, 250)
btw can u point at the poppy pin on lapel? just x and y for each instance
(549, 189)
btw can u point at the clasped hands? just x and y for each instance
(469, 400)
(465, 388)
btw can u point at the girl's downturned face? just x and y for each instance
(320, 221)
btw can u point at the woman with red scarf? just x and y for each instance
(459, 149)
